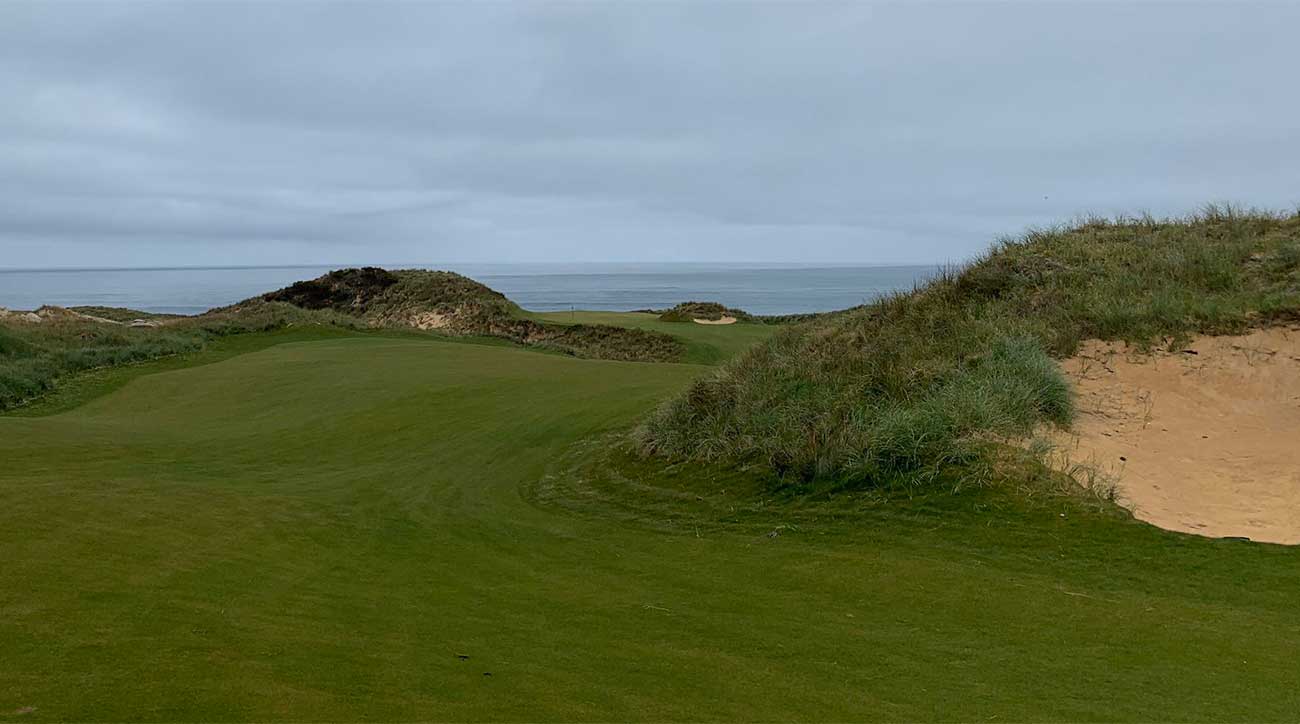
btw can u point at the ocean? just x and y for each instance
(759, 289)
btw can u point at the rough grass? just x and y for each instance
(914, 385)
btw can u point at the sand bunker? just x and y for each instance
(431, 320)
(1204, 440)
(723, 320)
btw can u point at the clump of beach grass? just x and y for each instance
(919, 383)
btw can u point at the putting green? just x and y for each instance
(336, 530)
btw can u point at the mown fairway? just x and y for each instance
(317, 530)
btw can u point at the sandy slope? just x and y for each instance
(1205, 440)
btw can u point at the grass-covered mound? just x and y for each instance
(393, 296)
(35, 356)
(456, 304)
(923, 382)
(712, 311)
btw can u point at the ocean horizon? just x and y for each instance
(759, 288)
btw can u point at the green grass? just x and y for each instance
(316, 530)
(912, 388)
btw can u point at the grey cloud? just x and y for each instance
(244, 133)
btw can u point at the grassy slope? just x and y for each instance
(315, 530)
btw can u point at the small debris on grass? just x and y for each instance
(487, 673)
(774, 534)
(463, 657)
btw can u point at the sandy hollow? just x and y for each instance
(723, 320)
(1203, 440)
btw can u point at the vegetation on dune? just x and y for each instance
(455, 304)
(347, 290)
(918, 384)
(394, 297)
(690, 311)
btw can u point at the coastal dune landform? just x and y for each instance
(397, 494)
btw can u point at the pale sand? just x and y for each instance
(723, 320)
(1205, 443)
(430, 320)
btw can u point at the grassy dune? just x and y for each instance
(322, 528)
(915, 387)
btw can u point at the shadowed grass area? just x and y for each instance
(335, 530)
(910, 387)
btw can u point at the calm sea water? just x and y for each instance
(539, 287)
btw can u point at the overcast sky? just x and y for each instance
(142, 134)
